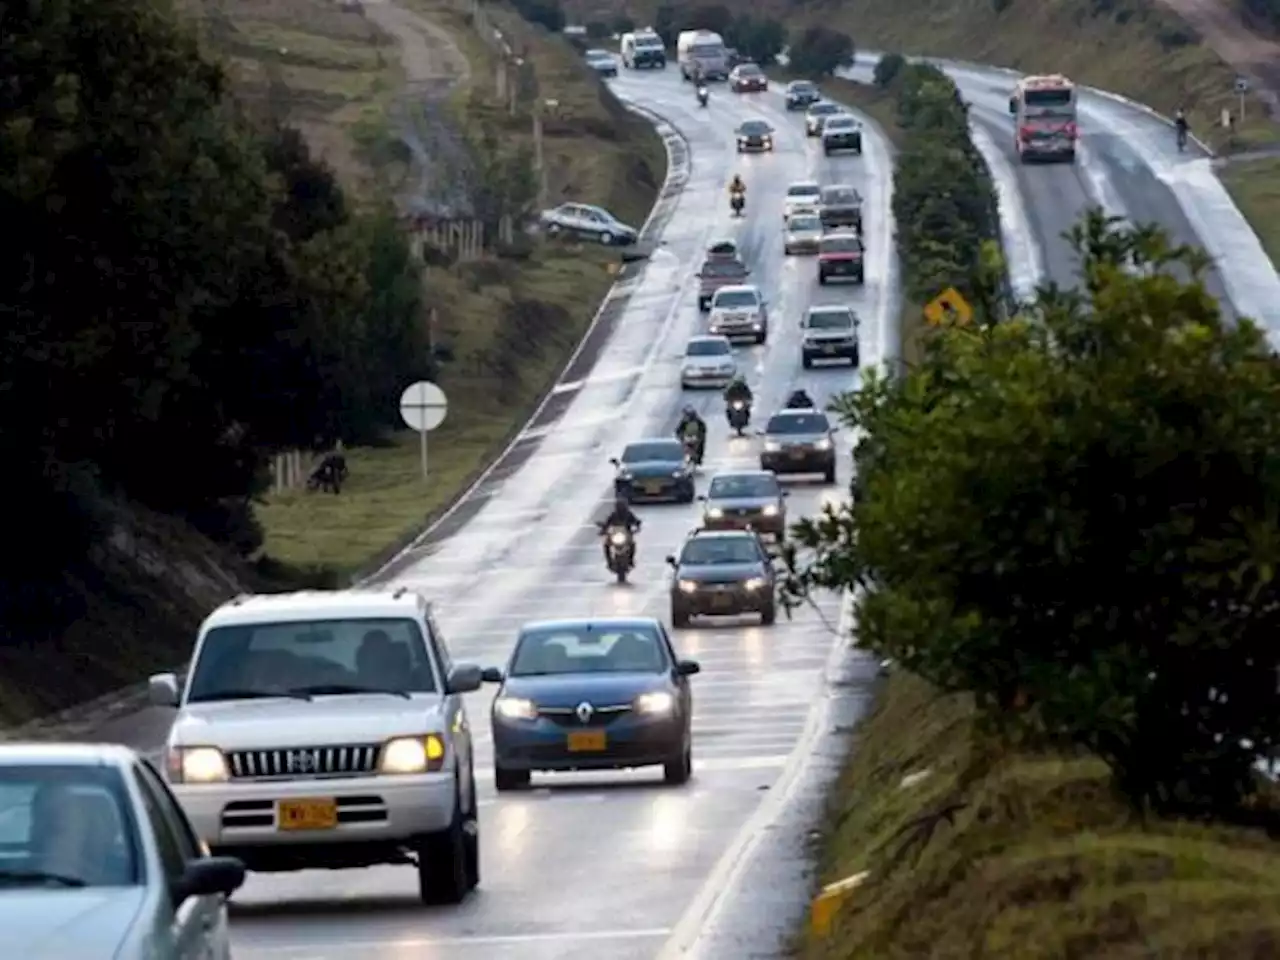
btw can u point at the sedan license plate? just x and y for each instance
(316, 814)
(653, 486)
(797, 454)
(828, 349)
(587, 741)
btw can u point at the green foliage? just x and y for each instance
(544, 13)
(183, 293)
(1264, 13)
(887, 69)
(1075, 517)
(757, 39)
(819, 52)
(943, 198)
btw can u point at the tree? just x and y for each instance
(545, 13)
(759, 40)
(819, 52)
(1075, 516)
(887, 69)
(715, 17)
(311, 199)
(666, 24)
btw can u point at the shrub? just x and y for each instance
(887, 69)
(820, 52)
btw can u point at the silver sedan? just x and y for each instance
(802, 233)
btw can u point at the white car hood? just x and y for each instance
(322, 721)
(57, 924)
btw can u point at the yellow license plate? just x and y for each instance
(587, 741)
(653, 486)
(722, 599)
(307, 814)
(797, 454)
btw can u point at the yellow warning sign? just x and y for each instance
(948, 307)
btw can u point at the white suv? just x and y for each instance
(739, 311)
(327, 730)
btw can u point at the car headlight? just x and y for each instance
(822, 445)
(677, 474)
(768, 142)
(770, 511)
(773, 446)
(197, 765)
(657, 702)
(515, 708)
(624, 474)
(755, 583)
(688, 586)
(618, 538)
(715, 513)
(412, 755)
(742, 141)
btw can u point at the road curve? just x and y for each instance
(584, 865)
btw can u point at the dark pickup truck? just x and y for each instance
(839, 206)
(840, 257)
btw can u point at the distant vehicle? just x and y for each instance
(586, 222)
(718, 272)
(802, 195)
(841, 132)
(643, 50)
(298, 708)
(829, 332)
(722, 573)
(655, 471)
(748, 78)
(798, 442)
(840, 205)
(708, 362)
(702, 55)
(599, 694)
(816, 115)
(746, 499)
(801, 93)
(97, 859)
(802, 233)
(739, 311)
(755, 136)
(602, 62)
(725, 247)
(840, 256)
(1045, 122)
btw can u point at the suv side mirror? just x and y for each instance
(209, 876)
(687, 668)
(464, 678)
(491, 675)
(614, 461)
(671, 560)
(162, 690)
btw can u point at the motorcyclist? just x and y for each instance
(737, 187)
(620, 516)
(799, 400)
(737, 390)
(703, 93)
(691, 423)
(1182, 126)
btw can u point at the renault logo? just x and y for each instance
(584, 711)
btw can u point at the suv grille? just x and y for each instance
(298, 763)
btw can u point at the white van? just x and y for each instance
(643, 50)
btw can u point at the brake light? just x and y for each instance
(1025, 133)
(1073, 131)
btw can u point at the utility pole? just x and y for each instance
(539, 162)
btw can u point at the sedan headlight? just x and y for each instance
(624, 474)
(755, 583)
(412, 755)
(677, 474)
(822, 445)
(715, 513)
(768, 143)
(688, 586)
(772, 446)
(658, 702)
(770, 511)
(197, 765)
(515, 708)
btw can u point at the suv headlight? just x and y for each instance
(688, 586)
(515, 708)
(412, 755)
(715, 513)
(822, 445)
(657, 702)
(755, 583)
(197, 765)
(773, 446)
(770, 510)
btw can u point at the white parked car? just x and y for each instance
(327, 730)
(586, 222)
(98, 860)
(801, 197)
(708, 362)
(802, 234)
(739, 311)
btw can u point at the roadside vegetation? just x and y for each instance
(1065, 759)
(1255, 187)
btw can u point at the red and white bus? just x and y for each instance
(1044, 113)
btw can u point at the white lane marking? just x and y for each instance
(1022, 252)
(615, 376)
(728, 764)
(331, 947)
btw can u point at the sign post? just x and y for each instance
(423, 406)
(1242, 87)
(948, 306)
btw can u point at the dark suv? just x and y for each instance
(722, 573)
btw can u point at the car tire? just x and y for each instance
(762, 337)
(826, 151)
(769, 615)
(504, 780)
(553, 229)
(677, 772)
(679, 618)
(829, 475)
(605, 237)
(856, 360)
(471, 841)
(822, 279)
(443, 878)
(806, 361)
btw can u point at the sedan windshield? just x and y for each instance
(311, 658)
(668, 451)
(822, 109)
(840, 245)
(705, 551)
(805, 224)
(737, 299)
(742, 487)
(841, 123)
(830, 320)
(588, 649)
(66, 826)
(803, 190)
(754, 128)
(723, 268)
(708, 348)
(840, 195)
(799, 423)
(749, 70)
(803, 86)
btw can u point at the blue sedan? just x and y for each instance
(654, 471)
(604, 694)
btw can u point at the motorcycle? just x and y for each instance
(738, 202)
(702, 96)
(692, 449)
(620, 551)
(738, 413)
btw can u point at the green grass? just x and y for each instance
(1255, 186)
(1041, 862)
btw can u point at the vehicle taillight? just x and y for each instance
(1025, 133)
(1073, 131)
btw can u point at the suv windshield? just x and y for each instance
(839, 123)
(723, 268)
(702, 551)
(842, 196)
(66, 826)
(800, 224)
(585, 649)
(736, 299)
(661, 450)
(830, 320)
(822, 109)
(840, 245)
(301, 658)
(750, 485)
(708, 348)
(799, 423)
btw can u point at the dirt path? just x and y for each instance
(1223, 29)
(430, 57)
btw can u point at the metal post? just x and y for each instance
(422, 444)
(1242, 106)
(537, 154)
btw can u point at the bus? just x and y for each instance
(1044, 112)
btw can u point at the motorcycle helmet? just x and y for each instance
(689, 412)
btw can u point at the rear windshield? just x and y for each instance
(649, 42)
(830, 320)
(708, 348)
(840, 195)
(1047, 98)
(799, 423)
(839, 123)
(740, 299)
(660, 450)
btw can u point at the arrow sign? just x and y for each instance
(423, 406)
(948, 306)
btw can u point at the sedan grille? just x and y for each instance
(298, 763)
(599, 716)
